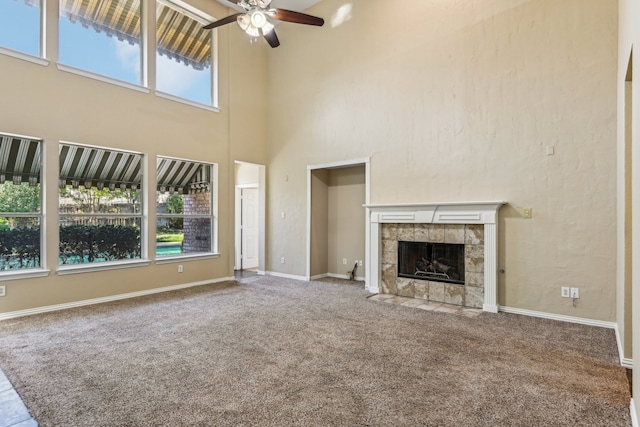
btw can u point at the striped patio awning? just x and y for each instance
(182, 176)
(19, 160)
(98, 167)
(179, 37)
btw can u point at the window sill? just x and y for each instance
(22, 274)
(102, 266)
(194, 257)
(101, 78)
(24, 56)
(187, 102)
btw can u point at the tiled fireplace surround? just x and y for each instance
(471, 223)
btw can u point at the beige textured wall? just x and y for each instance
(629, 35)
(54, 105)
(246, 173)
(346, 221)
(458, 101)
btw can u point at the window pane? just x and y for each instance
(86, 239)
(183, 236)
(100, 204)
(102, 37)
(19, 243)
(183, 55)
(20, 25)
(169, 236)
(19, 198)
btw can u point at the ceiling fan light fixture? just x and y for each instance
(258, 19)
(244, 21)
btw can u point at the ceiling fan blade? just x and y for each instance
(297, 17)
(272, 38)
(220, 22)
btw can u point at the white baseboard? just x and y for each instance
(626, 362)
(58, 307)
(286, 276)
(344, 276)
(560, 317)
(634, 414)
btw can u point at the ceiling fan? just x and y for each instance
(255, 21)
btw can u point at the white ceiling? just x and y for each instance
(297, 5)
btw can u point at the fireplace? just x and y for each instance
(471, 226)
(438, 262)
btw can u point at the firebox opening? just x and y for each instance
(438, 262)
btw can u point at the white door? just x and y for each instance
(249, 228)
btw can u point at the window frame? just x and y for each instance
(41, 270)
(40, 58)
(63, 269)
(213, 215)
(204, 19)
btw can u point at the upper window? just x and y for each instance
(20, 25)
(102, 37)
(20, 203)
(100, 204)
(184, 206)
(183, 54)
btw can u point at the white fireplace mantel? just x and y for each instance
(483, 212)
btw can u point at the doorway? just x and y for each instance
(337, 226)
(249, 217)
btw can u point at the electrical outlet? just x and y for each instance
(528, 213)
(565, 292)
(282, 260)
(575, 293)
(360, 263)
(3, 291)
(344, 261)
(180, 268)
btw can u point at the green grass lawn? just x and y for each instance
(169, 237)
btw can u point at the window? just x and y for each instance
(183, 54)
(102, 37)
(20, 25)
(20, 203)
(100, 204)
(185, 207)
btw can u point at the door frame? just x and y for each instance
(262, 215)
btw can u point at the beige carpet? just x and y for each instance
(277, 352)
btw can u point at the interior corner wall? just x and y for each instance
(54, 105)
(346, 220)
(462, 101)
(628, 40)
(319, 245)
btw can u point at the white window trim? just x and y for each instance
(31, 273)
(175, 98)
(204, 19)
(24, 56)
(42, 271)
(100, 266)
(101, 78)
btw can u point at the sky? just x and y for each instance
(90, 50)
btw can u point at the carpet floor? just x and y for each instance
(276, 352)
